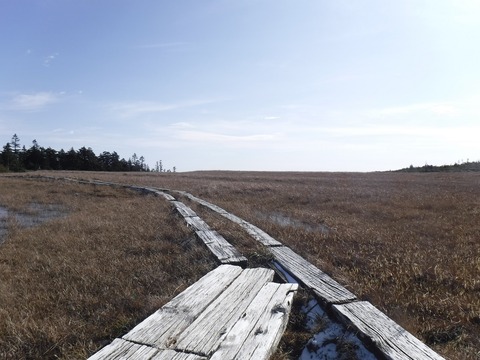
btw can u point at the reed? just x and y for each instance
(406, 242)
(72, 284)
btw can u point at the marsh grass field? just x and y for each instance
(71, 284)
(407, 242)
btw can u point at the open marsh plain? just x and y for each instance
(408, 243)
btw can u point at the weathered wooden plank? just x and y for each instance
(197, 223)
(183, 209)
(260, 235)
(162, 327)
(161, 193)
(257, 333)
(121, 349)
(174, 355)
(205, 203)
(233, 218)
(205, 334)
(388, 337)
(327, 289)
(221, 248)
(215, 208)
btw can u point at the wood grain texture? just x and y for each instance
(121, 349)
(174, 355)
(324, 287)
(389, 338)
(257, 333)
(162, 327)
(206, 333)
(183, 209)
(260, 235)
(221, 248)
(197, 223)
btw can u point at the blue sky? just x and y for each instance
(245, 85)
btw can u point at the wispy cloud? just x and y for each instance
(47, 61)
(138, 108)
(434, 108)
(33, 102)
(212, 137)
(227, 133)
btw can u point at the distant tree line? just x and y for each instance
(15, 157)
(459, 166)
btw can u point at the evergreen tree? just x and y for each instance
(14, 157)
(8, 157)
(15, 144)
(34, 158)
(52, 161)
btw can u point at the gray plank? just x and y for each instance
(183, 209)
(327, 289)
(389, 338)
(162, 327)
(257, 333)
(260, 235)
(233, 218)
(121, 349)
(197, 223)
(221, 248)
(161, 193)
(205, 203)
(174, 355)
(206, 333)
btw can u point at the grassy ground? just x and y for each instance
(409, 243)
(72, 284)
(406, 242)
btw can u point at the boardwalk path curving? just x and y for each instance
(237, 313)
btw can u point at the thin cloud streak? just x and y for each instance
(138, 108)
(212, 137)
(48, 60)
(33, 102)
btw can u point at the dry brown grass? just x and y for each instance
(409, 243)
(70, 285)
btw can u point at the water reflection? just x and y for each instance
(35, 214)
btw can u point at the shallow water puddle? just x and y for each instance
(285, 221)
(35, 214)
(3, 223)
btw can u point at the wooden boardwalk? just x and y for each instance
(230, 313)
(216, 243)
(380, 333)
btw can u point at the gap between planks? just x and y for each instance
(230, 313)
(376, 329)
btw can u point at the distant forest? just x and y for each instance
(457, 167)
(15, 157)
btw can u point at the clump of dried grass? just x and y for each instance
(71, 285)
